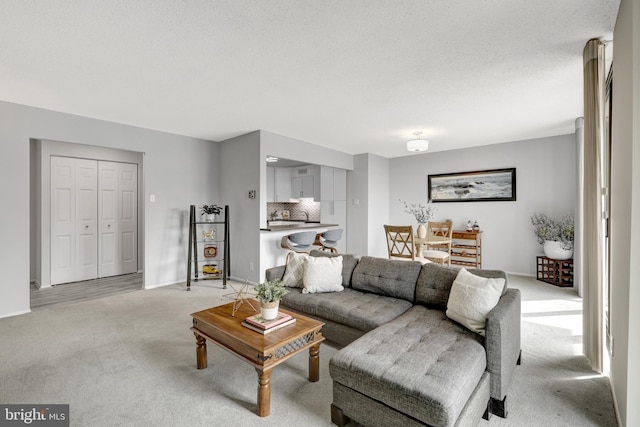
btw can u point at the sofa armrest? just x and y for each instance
(503, 342)
(274, 272)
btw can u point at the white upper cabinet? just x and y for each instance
(333, 183)
(305, 182)
(271, 184)
(282, 184)
(302, 186)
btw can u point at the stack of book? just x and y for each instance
(258, 324)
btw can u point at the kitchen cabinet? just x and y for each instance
(333, 183)
(271, 184)
(282, 180)
(302, 186)
(333, 200)
(335, 212)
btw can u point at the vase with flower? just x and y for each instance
(422, 214)
(556, 235)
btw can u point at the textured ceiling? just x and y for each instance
(355, 76)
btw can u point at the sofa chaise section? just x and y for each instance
(420, 365)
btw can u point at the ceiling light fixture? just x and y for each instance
(417, 144)
(271, 159)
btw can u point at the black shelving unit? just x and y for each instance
(211, 259)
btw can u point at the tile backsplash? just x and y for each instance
(296, 210)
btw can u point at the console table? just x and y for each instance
(554, 271)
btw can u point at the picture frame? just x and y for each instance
(495, 185)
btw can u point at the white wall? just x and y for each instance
(625, 214)
(179, 170)
(545, 181)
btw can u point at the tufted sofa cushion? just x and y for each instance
(420, 364)
(392, 278)
(359, 310)
(434, 283)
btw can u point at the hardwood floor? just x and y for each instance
(71, 293)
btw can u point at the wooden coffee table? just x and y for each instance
(263, 352)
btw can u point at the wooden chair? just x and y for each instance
(438, 243)
(400, 243)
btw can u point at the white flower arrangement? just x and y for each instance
(422, 213)
(546, 228)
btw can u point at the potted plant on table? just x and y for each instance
(422, 214)
(269, 293)
(210, 211)
(556, 236)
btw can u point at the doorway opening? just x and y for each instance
(44, 251)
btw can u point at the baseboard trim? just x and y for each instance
(615, 401)
(160, 285)
(237, 279)
(17, 313)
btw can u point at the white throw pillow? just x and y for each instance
(294, 271)
(472, 298)
(322, 274)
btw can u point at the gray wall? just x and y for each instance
(241, 173)
(625, 214)
(179, 170)
(545, 180)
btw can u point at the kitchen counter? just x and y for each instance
(295, 225)
(271, 251)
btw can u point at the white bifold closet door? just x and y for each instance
(74, 244)
(93, 219)
(117, 218)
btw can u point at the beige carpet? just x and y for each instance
(129, 360)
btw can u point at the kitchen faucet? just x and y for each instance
(306, 215)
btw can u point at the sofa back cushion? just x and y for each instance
(349, 262)
(434, 283)
(387, 277)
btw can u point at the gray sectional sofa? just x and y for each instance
(403, 361)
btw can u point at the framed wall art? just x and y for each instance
(497, 185)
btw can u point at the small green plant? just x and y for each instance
(421, 213)
(211, 209)
(270, 291)
(546, 228)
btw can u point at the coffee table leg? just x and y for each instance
(201, 352)
(264, 392)
(314, 363)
